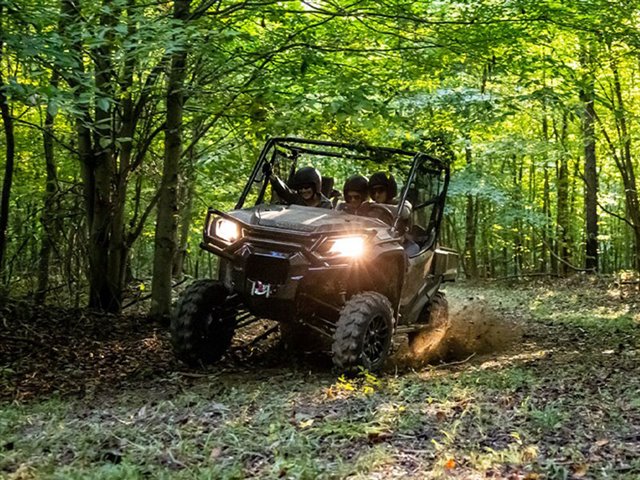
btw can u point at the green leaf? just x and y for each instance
(103, 104)
(52, 108)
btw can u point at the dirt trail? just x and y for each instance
(46, 350)
(473, 327)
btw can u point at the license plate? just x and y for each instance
(260, 289)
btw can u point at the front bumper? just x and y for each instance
(278, 274)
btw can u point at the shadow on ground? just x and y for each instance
(47, 351)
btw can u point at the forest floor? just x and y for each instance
(553, 392)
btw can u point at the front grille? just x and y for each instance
(267, 268)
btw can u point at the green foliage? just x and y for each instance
(492, 88)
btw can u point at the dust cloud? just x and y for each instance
(472, 327)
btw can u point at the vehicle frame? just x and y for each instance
(280, 266)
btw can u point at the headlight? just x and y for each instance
(227, 230)
(347, 247)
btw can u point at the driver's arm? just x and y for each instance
(283, 190)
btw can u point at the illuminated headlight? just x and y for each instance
(227, 230)
(348, 247)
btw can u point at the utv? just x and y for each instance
(352, 280)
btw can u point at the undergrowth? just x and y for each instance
(561, 403)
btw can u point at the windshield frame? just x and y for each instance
(382, 155)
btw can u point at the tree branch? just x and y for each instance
(619, 217)
(135, 233)
(42, 129)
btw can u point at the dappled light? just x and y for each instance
(313, 239)
(556, 391)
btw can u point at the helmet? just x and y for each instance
(307, 176)
(387, 181)
(356, 183)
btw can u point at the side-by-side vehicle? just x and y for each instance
(352, 280)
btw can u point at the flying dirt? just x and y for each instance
(472, 327)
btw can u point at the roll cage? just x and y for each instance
(421, 166)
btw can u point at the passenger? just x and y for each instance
(328, 191)
(356, 195)
(306, 188)
(383, 189)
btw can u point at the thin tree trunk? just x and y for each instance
(470, 228)
(185, 227)
(563, 222)
(518, 244)
(49, 211)
(10, 143)
(587, 96)
(120, 242)
(546, 201)
(166, 226)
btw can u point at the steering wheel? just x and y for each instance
(382, 212)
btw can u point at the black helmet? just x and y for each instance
(386, 180)
(356, 183)
(307, 176)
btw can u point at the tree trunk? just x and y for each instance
(50, 211)
(105, 292)
(166, 225)
(546, 201)
(563, 219)
(470, 229)
(626, 166)
(186, 206)
(10, 143)
(518, 235)
(587, 96)
(95, 161)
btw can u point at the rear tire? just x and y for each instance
(435, 318)
(204, 323)
(363, 333)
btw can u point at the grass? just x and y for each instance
(563, 403)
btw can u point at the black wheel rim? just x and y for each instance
(375, 340)
(217, 317)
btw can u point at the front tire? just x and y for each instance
(363, 333)
(204, 323)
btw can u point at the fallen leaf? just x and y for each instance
(215, 453)
(378, 437)
(579, 469)
(450, 465)
(24, 472)
(306, 423)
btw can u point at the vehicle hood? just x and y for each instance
(305, 219)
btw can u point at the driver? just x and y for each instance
(356, 195)
(306, 188)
